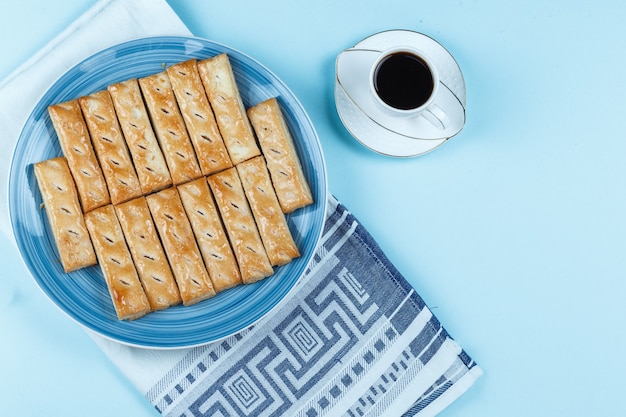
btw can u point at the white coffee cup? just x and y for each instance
(437, 114)
(405, 83)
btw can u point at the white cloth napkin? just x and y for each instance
(354, 339)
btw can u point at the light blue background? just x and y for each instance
(513, 232)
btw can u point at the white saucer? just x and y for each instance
(380, 138)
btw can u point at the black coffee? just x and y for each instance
(403, 80)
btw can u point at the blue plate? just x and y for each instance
(83, 294)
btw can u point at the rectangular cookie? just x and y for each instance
(75, 142)
(283, 163)
(180, 246)
(108, 142)
(65, 215)
(239, 223)
(142, 143)
(169, 127)
(148, 254)
(199, 118)
(221, 87)
(269, 217)
(210, 235)
(129, 300)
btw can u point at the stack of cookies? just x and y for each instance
(172, 186)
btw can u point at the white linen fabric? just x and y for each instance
(353, 339)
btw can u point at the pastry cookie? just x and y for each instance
(117, 265)
(64, 213)
(169, 127)
(210, 235)
(239, 223)
(142, 143)
(269, 217)
(283, 163)
(221, 88)
(199, 118)
(108, 142)
(73, 135)
(150, 260)
(180, 246)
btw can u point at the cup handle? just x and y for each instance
(436, 116)
(453, 118)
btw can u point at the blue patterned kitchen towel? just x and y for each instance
(354, 339)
